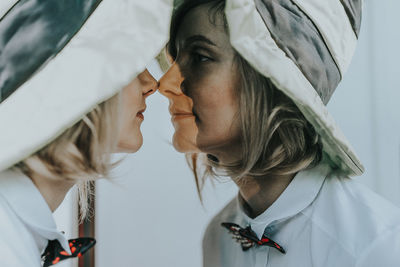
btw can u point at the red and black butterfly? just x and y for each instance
(247, 238)
(54, 252)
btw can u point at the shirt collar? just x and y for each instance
(29, 205)
(299, 194)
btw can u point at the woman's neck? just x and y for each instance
(259, 193)
(52, 190)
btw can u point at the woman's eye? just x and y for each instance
(200, 58)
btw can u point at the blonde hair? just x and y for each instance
(81, 154)
(276, 139)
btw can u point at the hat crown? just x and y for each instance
(295, 28)
(304, 47)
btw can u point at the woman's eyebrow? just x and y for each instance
(198, 38)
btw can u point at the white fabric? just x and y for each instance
(253, 41)
(26, 222)
(5, 6)
(334, 25)
(321, 220)
(112, 47)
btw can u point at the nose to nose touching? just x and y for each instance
(149, 83)
(171, 81)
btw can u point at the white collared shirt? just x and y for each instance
(321, 220)
(26, 222)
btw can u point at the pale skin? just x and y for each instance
(129, 140)
(206, 59)
(133, 106)
(53, 191)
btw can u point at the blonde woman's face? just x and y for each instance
(206, 60)
(180, 107)
(133, 106)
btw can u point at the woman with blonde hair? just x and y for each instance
(259, 74)
(62, 111)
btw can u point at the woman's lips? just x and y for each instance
(181, 115)
(175, 117)
(140, 114)
(177, 114)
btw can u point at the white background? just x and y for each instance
(149, 214)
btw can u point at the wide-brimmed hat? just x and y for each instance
(59, 59)
(304, 48)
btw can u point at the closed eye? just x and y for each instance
(200, 58)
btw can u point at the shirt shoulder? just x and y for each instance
(384, 251)
(227, 214)
(352, 216)
(214, 235)
(17, 246)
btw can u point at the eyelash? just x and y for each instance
(198, 57)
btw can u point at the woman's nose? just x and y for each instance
(148, 83)
(171, 82)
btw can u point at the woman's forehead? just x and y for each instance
(201, 21)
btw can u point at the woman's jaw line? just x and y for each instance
(220, 151)
(184, 145)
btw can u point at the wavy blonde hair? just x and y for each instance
(276, 139)
(81, 154)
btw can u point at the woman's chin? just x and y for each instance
(182, 143)
(127, 149)
(129, 145)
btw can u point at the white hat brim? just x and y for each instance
(112, 47)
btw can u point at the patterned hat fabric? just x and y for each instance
(59, 59)
(304, 47)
